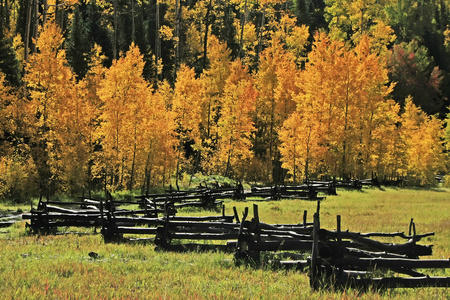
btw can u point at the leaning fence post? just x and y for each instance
(236, 215)
(410, 226)
(305, 214)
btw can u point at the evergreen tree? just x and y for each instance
(79, 43)
(9, 65)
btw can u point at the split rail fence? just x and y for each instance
(331, 257)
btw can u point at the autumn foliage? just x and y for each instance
(328, 113)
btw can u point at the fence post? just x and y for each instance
(241, 252)
(314, 253)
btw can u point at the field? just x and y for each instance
(60, 267)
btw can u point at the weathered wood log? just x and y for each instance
(293, 264)
(284, 245)
(216, 230)
(411, 249)
(400, 282)
(51, 208)
(222, 219)
(190, 247)
(6, 224)
(287, 227)
(349, 262)
(202, 236)
(71, 223)
(58, 216)
(225, 225)
(369, 254)
(331, 234)
(135, 230)
(61, 203)
(5, 218)
(138, 221)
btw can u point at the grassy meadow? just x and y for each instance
(59, 266)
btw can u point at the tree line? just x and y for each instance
(131, 94)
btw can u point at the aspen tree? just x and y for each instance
(52, 91)
(124, 92)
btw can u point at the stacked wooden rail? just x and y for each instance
(342, 258)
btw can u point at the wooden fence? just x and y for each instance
(331, 257)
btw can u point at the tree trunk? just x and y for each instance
(44, 13)
(178, 12)
(133, 27)
(261, 30)
(133, 163)
(2, 10)
(36, 24)
(27, 31)
(157, 42)
(205, 40)
(115, 31)
(241, 38)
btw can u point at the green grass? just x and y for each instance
(59, 267)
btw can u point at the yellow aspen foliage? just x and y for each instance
(294, 37)
(352, 19)
(275, 82)
(160, 139)
(236, 127)
(300, 147)
(381, 36)
(341, 103)
(213, 80)
(187, 110)
(124, 93)
(186, 105)
(423, 140)
(51, 87)
(88, 92)
(249, 39)
(17, 168)
(385, 157)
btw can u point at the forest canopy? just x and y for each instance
(112, 94)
